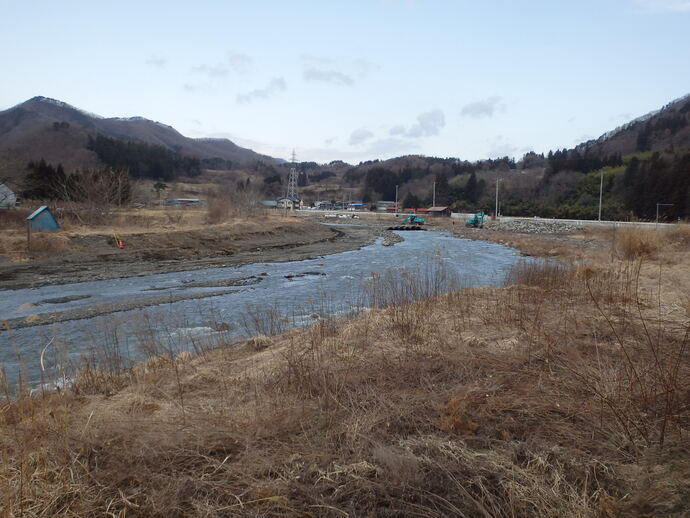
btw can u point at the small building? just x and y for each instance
(43, 219)
(270, 204)
(439, 212)
(384, 205)
(288, 202)
(8, 200)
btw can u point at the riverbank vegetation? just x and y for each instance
(97, 214)
(563, 394)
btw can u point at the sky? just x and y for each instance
(355, 80)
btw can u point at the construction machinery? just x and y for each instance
(409, 223)
(413, 220)
(477, 221)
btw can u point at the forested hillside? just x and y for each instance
(637, 166)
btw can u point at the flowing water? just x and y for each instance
(269, 297)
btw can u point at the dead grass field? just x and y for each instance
(126, 222)
(566, 394)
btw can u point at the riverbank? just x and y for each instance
(70, 257)
(562, 395)
(96, 256)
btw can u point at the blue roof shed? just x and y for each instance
(43, 219)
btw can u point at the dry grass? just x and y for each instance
(564, 395)
(634, 243)
(13, 244)
(14, 219)
(170, 232)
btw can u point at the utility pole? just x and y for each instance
(433, 198)
(656, 225)
(496, 210)
(396, 200)
(601, 192)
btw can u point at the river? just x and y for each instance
(250, 299)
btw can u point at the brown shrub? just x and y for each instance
(543, 274)
(218, 210)
(635, 243)
(679, 236)
(46, 242)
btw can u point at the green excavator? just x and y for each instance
(477, 221)
(413, 220)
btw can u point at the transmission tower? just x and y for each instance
(292, 179)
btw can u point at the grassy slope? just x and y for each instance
(564, 395)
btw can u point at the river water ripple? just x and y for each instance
(270, 297)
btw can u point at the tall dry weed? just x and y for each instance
(635, 243)
(403, 290)
(217, 209)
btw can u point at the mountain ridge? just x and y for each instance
(43, 127)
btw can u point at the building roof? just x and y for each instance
(289, 198)
(437, 209)
(7, 198)
(38, 211)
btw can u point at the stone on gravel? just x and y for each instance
(535, 227)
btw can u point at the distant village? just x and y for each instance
(388, 207)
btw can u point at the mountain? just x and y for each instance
(661, 130)
(47, 128)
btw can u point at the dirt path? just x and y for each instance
(163, 252)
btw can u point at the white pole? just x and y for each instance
(433, 199)
(496, 209)
(657, 216)
(656, 225)
(396, 200)
(601, 191)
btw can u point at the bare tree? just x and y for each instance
(93, 193)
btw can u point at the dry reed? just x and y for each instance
(564, 395)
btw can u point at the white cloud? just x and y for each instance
(429, 124)
(274, 86)
(218, 70)
(156, 61)
(484, 108)
(240, 63)
(327, 76)
(398, 129)
(335, 70)
(360, 136)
